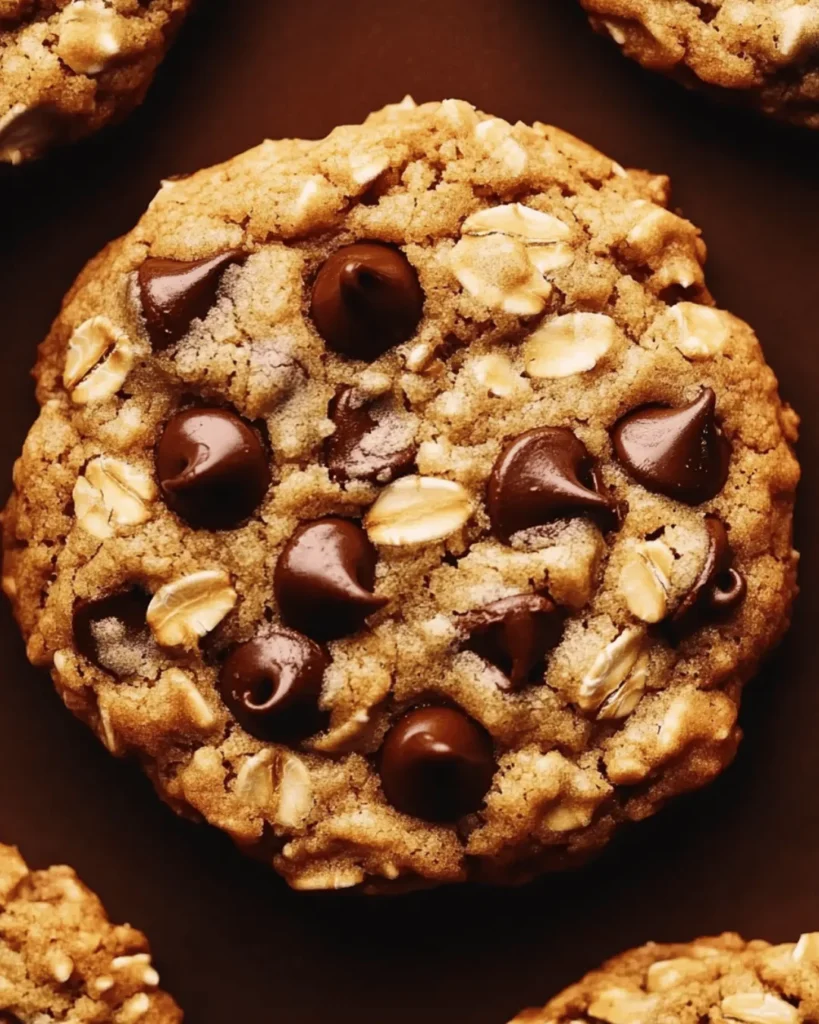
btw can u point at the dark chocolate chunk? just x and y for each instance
(213, 468)
(324, 579)
(176, 292)
(272, 684)
(681, 453)
(515, 634)
(366, 299)
(437, 764)
(543, 475)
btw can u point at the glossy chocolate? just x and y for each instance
(543, 475)
(366, 299)
(680, 452)
(34, 130)
(232, 942)
(719, 589)
(212, 467)
(437, 764)
(273, 684)
(356, 451)
(515, 634)
(325, 577)
(174, 293)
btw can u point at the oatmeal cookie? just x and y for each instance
(62, 959)
(762, 52)
(68, 67)
(724, 980)
(404, 504)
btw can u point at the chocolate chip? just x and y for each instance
(272, 685)
(728, 591)
(366, 298)
(681, 453)
(542, 475)
(176, 292)
(212, 467)
(363, 448)
(324, 579)
(33, 130)
(104, 627)
(515, 634)
(437, 764)
(718, 589)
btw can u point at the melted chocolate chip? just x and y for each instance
(176, 292)
(437, 764)
(542, 475)
(366, 298)
(324, 579)
(718, 589)
(681, 453)
(361, 448)
(212, 468)
(122, 617)
(273, 684)
(515, 634)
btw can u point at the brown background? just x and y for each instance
(233, 943)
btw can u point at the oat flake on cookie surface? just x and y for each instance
(404, 504)
(68, 67)
(725, 980)
(61, 959)
(764, 52)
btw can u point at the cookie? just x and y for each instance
(68, 67)
(62, 959)
(760, 52)
(404, 504)
(723, 979)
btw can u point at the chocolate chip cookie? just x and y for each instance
(404, 503)
(762, 52)
(62, 959)
(723, 979)
(68, 67)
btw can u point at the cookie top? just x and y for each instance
(68, 67)
(765, 52)
(724, 980)
(62, 959)
(403, 503)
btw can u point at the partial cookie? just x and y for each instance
(68, 67)
(765, 52)
(403, 503)
(723, 980)
(62, 959)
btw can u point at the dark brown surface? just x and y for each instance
(234, 944)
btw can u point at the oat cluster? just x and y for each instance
(764, 51)
(62, 959)
(68, 67)
(725, 980)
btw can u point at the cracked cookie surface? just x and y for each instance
(404, 504)
(68, 67)
(724, 979)
(765, 52)
(62, 959)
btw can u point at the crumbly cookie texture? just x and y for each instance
(62, 959)
(723, 979)
(68, 67)
(332, 518)
(764, 51)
